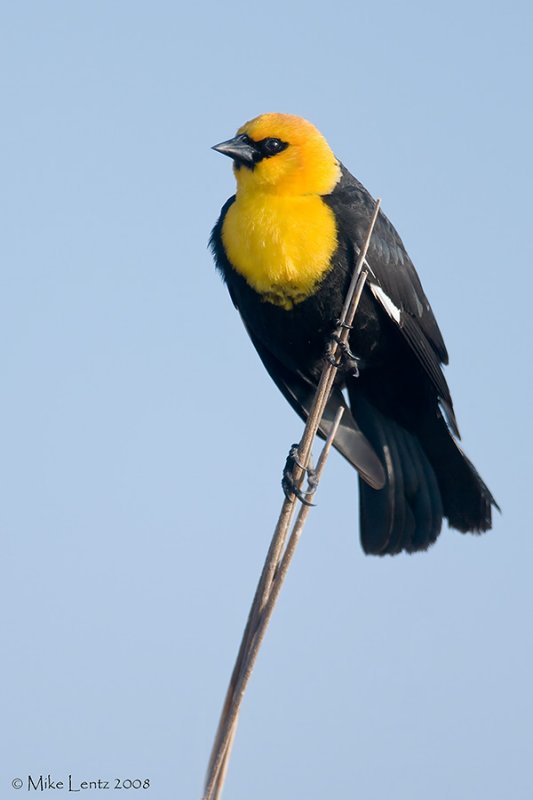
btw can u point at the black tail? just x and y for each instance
(466, 500)
(428, 478)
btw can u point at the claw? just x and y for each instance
(339, 324)
(347, 359)
(287, 482)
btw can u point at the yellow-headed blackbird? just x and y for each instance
(286, 244)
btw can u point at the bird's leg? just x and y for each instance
(287, 482)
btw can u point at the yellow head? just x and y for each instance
(281, 154)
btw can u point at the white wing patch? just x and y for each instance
(392, 310)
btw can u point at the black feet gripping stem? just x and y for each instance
(287, 482)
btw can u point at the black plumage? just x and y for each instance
(401, 432)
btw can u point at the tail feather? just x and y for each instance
(407, 513)
(426, 498)
(466, 499)
(384, 520)
(428, 477)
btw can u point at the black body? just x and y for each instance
(400, 434)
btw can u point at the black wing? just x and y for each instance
(394, 282)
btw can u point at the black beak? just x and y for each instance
(240, 149)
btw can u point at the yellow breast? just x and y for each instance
(282, 245)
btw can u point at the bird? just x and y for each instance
(285, 245)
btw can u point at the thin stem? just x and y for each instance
(230, 723)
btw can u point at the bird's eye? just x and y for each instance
(273, 146)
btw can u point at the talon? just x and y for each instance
(312, 480)
(289, 489)
(330, 358)
(339, 324)
(287, 482)
(345, 348)
(347, 359)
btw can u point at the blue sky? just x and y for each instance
(143, 443)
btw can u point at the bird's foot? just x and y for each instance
(340, 324)
(347, 360)
(287, 482)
